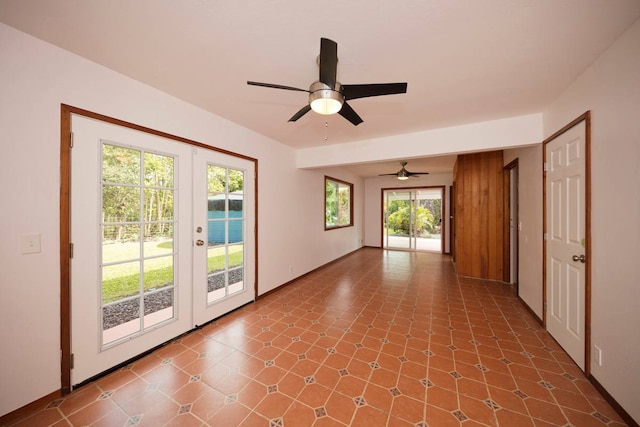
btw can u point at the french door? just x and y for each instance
(223, 209)
(149, 246)
(412, 219)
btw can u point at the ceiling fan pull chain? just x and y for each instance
(326, 131)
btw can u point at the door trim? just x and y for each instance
(586, 117)
(66, 111)
(452, 221)
(507, 226)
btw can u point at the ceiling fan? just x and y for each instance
(404, 174)
(328, 96)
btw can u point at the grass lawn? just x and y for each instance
(123, 280)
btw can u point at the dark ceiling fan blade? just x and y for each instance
(304, 110)
(418, 173)
(373, 89)
(328, 62)
(276, 86)
(348, 113)
(388, 174)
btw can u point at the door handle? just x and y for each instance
(199, 242)
(580, 258)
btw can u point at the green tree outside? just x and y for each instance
(337, 203)
(121, 174)
(400, 220)
(217, 176)
(427, 217)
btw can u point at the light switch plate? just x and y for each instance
(30, 244)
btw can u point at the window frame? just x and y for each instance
(338, 183)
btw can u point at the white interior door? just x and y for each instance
(224, 234)
(565, 241)
(136, 274)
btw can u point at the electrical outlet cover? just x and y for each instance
(30, 244)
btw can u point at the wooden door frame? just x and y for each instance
(66, 144)
(442, 215)
(452, 222)
(586, 117)
(507, 224)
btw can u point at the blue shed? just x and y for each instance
(217, 220)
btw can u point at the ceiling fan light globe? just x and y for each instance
(326, 106)
(403, 174)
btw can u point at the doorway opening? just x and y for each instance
(412, 219)
(151, 225)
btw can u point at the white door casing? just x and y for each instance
(565, 240)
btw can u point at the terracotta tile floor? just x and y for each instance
(376, 339)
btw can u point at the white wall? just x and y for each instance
(292, 240)
(35, 78)
(297, 214)
(490, 135)
(530, 216)
(610, 88)
(373, 206)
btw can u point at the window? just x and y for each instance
(338, 203)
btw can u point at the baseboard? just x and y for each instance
(29, 409)
(613, 402)
(610, 399)
(309, 272)
(530, 310)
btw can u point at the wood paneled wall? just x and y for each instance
(479, 215)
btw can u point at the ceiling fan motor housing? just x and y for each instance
(324, 99)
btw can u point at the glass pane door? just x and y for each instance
(138, 257)
(225, 240)
(412, 219)
(398, 217)
(163, 239)
(131, 270)
(224, 234)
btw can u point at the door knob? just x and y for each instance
(199, 242)
(580, 258)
